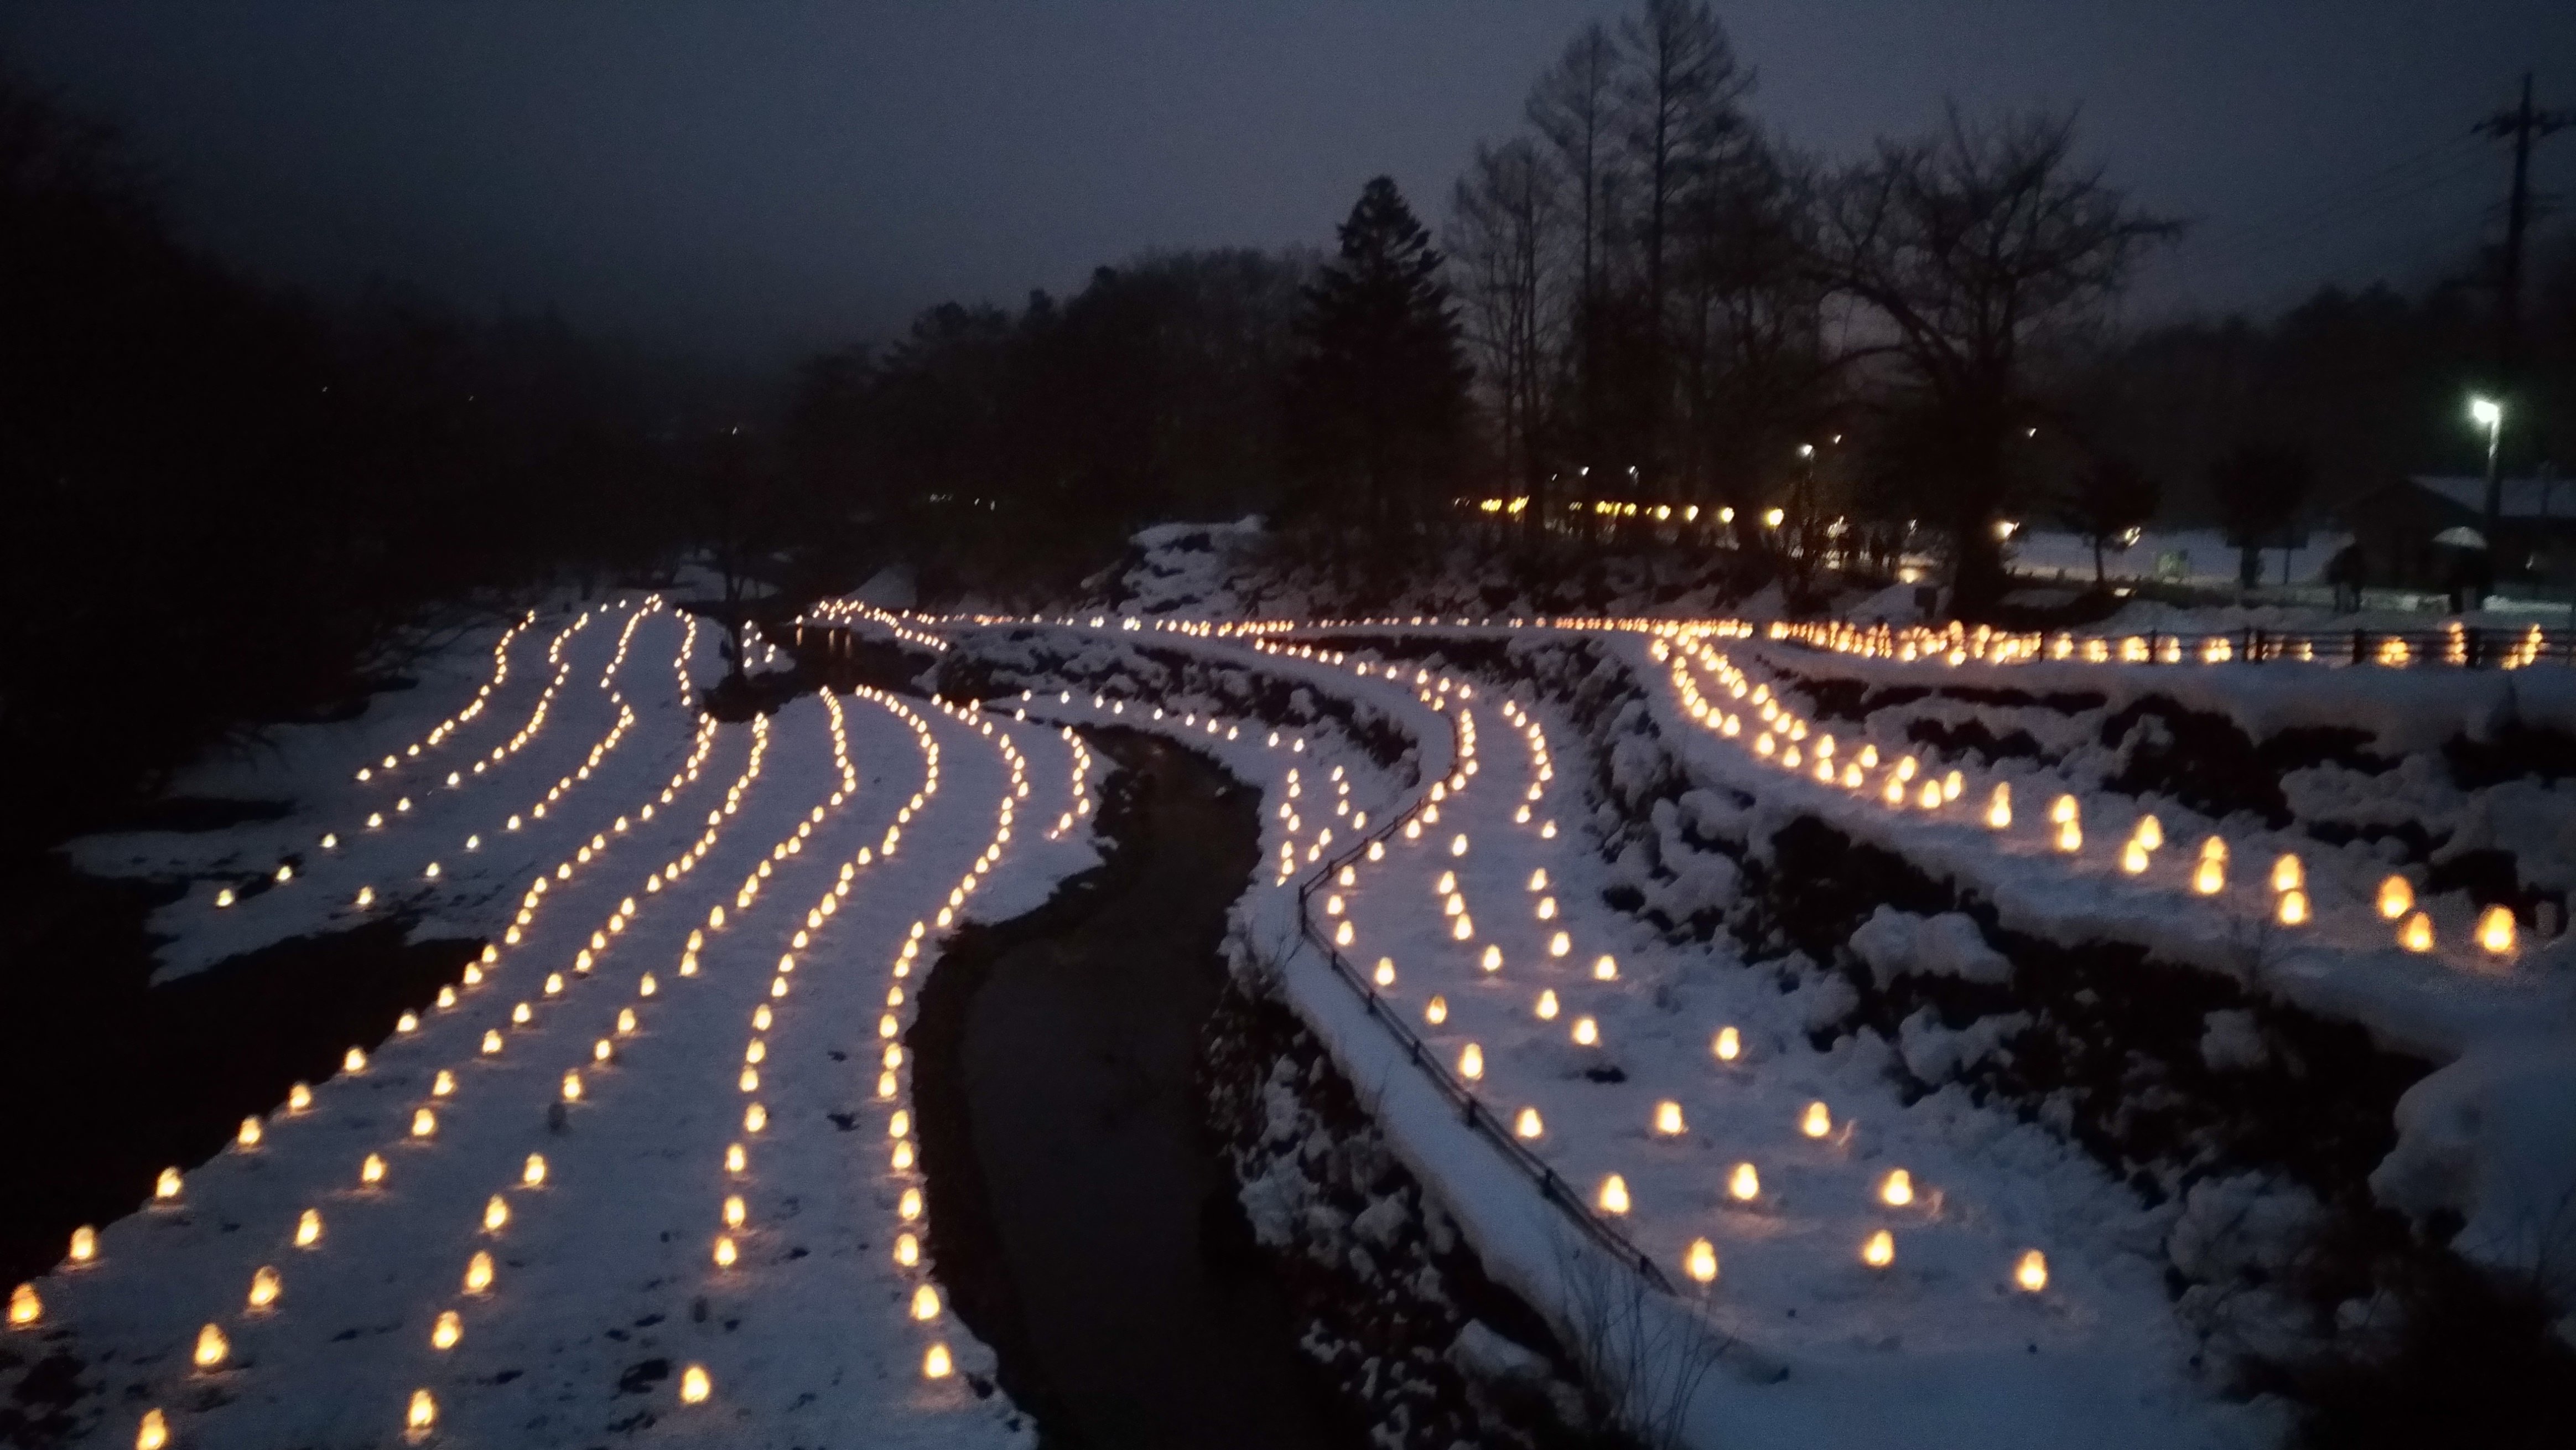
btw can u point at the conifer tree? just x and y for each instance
(1377, 404)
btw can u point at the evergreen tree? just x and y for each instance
(1377, 404)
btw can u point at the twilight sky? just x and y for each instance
(751, 178)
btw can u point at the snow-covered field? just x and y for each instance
(647, 1171)
(1551, 862)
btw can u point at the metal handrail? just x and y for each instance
(1472, 1110)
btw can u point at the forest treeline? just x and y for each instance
(234, 505)
(1657, 300)
(227, 506)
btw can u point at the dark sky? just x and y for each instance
(752, 177)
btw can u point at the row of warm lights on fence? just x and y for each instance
(1957, 644)
(212, 1347)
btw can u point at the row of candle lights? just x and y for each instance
(1611, 1195)
(1780, 740)
(212, 1346)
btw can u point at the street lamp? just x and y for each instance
(2488, 413)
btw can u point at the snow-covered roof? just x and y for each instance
(2524, 498)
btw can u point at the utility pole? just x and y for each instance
(2524, 125)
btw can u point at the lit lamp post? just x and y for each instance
(2488, 413)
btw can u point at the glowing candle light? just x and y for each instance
(1547, 1007)
(1436, 1011)
(2396, 897)
(1606, 969)
(572, 1087)
(2496, 930)
(533, 1173)
(1587, 1033)
(908, 1208)
(925, 1304)
(263, 1287)
(1701, 1262)
(353, 1061)
(478, 1272)
(734, 1212)
(1613, 1197)
(1668, 1118)
(755, 1118)
(1999, 807)
(1744, 1184)
(2031, 1274)
(154, 1433)
(736, 1160)
(167, 1185)
(1880, 1250)
(449, 1328)
(2293, 907)
(695, 1386)
(1728, 1046)
(2286, 874)
(1528, 1124)
(491, 1042)
(2210, 876)
(1471, 1062)
(2070, 837)
(2150, 832)
(1817, 1121)
(422, 1415)
(724, 1252)
(424, 1123)
(936, 1364)
(2133, 857)
(496, 1212)
(2417, 933)
(907, 1250)
(25, 1307)
(1897, 1190)
(84, 1244)
(248, 1135)
(212, 1347)
(1385, 974)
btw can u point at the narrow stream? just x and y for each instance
(1080, 1213)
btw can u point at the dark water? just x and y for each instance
(1079, 1211)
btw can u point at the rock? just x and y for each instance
(1381, 1221)
(1484, 1355)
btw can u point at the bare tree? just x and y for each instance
(1505, 222)
(1680, 114)
(1967, 246)
(1756, 377)
(1572, 107)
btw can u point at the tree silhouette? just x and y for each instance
(1971, 246)
(2259, 488)
(1377, 403)
(2104, 502)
